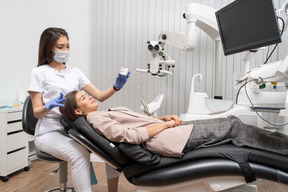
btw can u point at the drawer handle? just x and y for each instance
(13, 132)
(15, 121)
(15, 150)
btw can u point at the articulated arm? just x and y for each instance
(196, 15)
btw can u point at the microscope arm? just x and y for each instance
(178, 39)
(196, 15)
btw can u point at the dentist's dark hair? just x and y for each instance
(48, 40)
(69, 106)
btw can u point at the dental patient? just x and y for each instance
(168, 136)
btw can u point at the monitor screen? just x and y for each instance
(247, 24)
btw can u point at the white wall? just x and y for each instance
(124, 27)
(22, 22)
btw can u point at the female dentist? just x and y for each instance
(51, 78)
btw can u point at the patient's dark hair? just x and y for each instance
(69, 106)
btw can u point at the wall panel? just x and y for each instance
(123, 28)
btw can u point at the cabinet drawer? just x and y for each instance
(14, 126)
(16, 141)
(13, 116)
(17, 160)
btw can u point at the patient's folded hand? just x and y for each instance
(177, 120)
(171, 123)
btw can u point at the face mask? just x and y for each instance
(61, 56)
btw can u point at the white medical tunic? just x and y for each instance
(50, 82)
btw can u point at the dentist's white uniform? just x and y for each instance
(50, 136)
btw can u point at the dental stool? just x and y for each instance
(29, 123)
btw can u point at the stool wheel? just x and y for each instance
(5, 179)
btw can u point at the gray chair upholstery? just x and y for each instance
(29, 123)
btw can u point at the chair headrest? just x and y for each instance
(67, 124)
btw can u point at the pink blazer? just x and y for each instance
(123, 125)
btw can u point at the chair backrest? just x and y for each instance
(29, 121)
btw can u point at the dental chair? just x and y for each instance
(29, 123)
(221, 168)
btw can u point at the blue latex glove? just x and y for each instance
(55, 102)
(121, 80)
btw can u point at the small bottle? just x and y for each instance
(123, 71)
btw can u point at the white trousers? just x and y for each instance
(61, 146)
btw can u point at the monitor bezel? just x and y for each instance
(253, 45)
